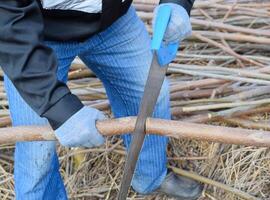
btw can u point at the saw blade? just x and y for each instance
(152, 89)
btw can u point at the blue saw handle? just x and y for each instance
(165, 53)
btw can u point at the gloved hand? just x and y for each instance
(80, 129)
(179, 26)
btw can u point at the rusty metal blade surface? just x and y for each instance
(151, 92)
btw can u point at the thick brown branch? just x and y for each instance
(175, 129)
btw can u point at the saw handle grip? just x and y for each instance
(160, 26)
(165, 52)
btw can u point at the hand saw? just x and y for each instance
(162, 56)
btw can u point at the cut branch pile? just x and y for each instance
(221, 77)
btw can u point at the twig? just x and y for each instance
(213, 183)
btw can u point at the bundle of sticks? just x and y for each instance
(222, 70)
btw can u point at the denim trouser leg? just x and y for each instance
(121, 57)
(36, 164)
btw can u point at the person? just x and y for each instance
(38, 42)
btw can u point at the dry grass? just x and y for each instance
(99, 175)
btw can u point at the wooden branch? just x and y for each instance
(229, 51)
(213, 183)
(257, 91)
(189, 85)
(175, 129)
(240, 72)
(222, 26)
(202, 93)
(233, 37)
(218, 76)
(5, 121)
(247, 123)
(224, 105)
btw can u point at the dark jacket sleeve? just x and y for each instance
(30, 65)
(187, 4)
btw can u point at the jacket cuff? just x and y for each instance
(187, 4)
(63, 110)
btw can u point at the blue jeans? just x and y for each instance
(120, 56)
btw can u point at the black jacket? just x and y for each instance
(31, 66)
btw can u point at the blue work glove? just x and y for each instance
(179, 26)
(80, 129)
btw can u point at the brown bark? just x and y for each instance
(210, 116)
(246, 123)
(175, 129)
(5, 121)
(222, 26)
(81, 73)
(195, 94)
(189, 85)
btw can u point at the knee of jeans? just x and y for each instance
(35, 159)
(46, 159)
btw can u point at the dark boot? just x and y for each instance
(180, 187)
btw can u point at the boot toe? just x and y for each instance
(180, 187)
